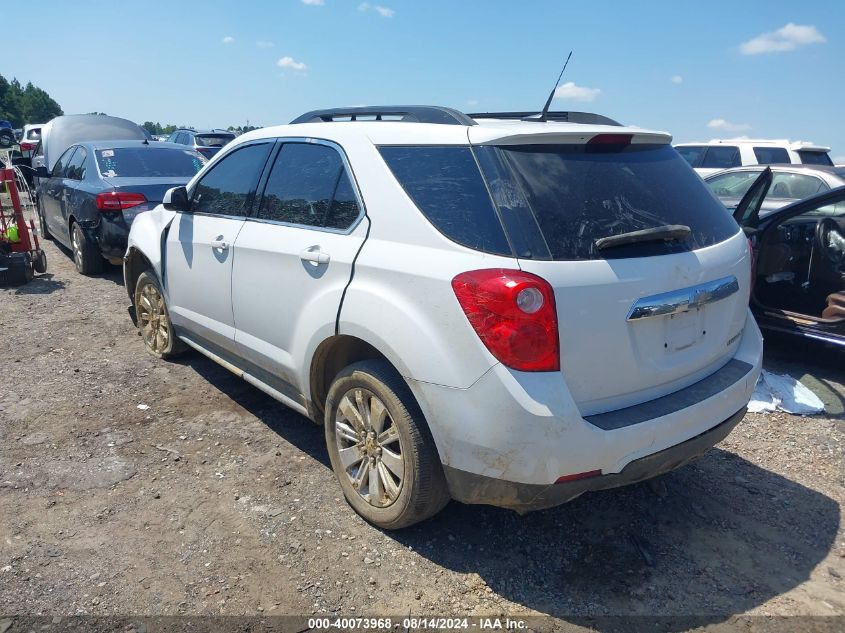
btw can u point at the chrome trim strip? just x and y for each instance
(683, 300)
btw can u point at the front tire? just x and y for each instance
(381, 449)
(42, 224)
(86, 255)
(153, 318)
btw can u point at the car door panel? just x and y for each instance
(294, 261)
(199, 246)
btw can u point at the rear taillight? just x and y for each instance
(27, 147)
(513, 313)
(119, 200)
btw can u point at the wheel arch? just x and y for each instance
(330, 357)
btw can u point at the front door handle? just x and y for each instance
(315, 255)
(222, 245)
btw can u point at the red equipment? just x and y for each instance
(20, 252)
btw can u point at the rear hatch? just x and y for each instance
(653, 310)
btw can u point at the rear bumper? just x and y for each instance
(509, 437)
(473, 488)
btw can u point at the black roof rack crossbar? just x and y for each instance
(416, 114)
(566, 117)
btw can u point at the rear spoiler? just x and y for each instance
(481, 135)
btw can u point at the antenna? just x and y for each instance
(546, 107)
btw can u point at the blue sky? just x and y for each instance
(765, 69)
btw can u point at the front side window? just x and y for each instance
(76, 167)
(229, 187)
(771, 155)
(309, 186)
(64, 159)
(721, 157)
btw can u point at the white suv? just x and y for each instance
(716, 155)
(489, 309)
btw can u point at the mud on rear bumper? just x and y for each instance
(473, 488)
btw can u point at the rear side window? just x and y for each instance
(228, 188)
(33, 134)
(150, 161)
(795, 186)
(213, 140)
(62, 163)
(580, 193)
(721, 157)
(814, 158)
(771, 155)
(309, 186)
(692, 153)
(447, 187)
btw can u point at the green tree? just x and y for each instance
(26, 105)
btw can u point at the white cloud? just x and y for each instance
(786, 38)
(727, 126)
(677, 79)
(228, 39)
(472, 102)
(314, 3)
(384, 12)
(576, 93)
(289, 62)
(264, 44)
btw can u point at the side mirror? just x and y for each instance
(176, 199)
(41, 172)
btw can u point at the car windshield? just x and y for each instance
(555, 201)
(151, 162)
(213, 140)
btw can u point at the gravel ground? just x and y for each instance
(130, 485)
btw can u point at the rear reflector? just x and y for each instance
(611, 139)
(119, 200)
(590, 473)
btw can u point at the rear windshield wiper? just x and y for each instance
(667, 233)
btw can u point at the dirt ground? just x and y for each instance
(130, 485)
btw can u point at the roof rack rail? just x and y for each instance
(416, 114)
(565, 117)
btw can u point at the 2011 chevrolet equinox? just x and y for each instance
(487, 308)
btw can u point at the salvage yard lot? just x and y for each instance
(135, 486)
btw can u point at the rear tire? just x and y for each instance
(153, 318)
(86, 255)
(381, 449)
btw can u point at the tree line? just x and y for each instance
(159, 129)
(26, 104)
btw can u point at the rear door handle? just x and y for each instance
(315, 255)
(223, 245)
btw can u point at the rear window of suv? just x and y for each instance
(213, 140)
(814, 158)
(555, 201)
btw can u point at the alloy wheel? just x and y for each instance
(370, 447)
(152, 319)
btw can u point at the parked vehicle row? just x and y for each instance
(718, 154)
(441, 291)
